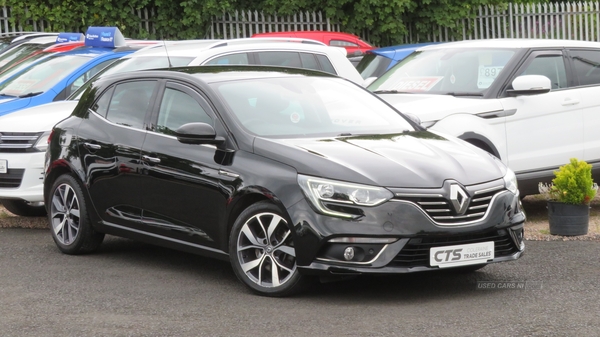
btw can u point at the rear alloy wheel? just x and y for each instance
(69, 221)
(24, 208)
(262, 251)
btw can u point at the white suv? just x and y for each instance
(24, 133)
(531, 103)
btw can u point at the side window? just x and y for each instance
(241, 58)
(309, 61)
(129, 103)
(587, 66)
(178, 108)
(551, 66)
(325, 64)
(279, 58)
(87, 75)
(101, 105)
(342, 43)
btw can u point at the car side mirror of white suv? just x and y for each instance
(530, 85)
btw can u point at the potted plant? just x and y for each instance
(569, 196)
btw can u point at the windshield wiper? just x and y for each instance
(5, 95)
(31, 94)
(457, 94)
(392, 92)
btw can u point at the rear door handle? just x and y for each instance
(91, 146)
(569, 101)
(151, 159)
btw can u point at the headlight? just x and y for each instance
(337, 198)
(510, 181)
(42, 142)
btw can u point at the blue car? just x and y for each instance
(378, 61)
(55, 77)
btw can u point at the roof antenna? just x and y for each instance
(167, 52)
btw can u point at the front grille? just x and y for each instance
(11, 179)
(18, 141)
(416, 251)
(442, 211)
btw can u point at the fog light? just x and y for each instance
(349, 253)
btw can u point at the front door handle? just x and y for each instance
(91, 146)
(569, 101)
(151, 159)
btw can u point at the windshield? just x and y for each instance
(132, 64)
(307, 107)
(372, 65)
(15, 68)
(443, 71)
(19, 51)
(43, 75)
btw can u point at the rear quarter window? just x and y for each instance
(326, 64)
(587, 66)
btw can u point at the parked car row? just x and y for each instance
(272, 154)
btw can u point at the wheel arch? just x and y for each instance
(481, 142)
(477, 131)
(58, 168)
(243, 200)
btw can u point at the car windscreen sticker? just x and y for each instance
(295, 117)
(416, 83)
(487, 75)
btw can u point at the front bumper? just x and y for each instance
(414, 234)
(25, 177)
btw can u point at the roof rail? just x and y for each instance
(251, 40)
(31, 35)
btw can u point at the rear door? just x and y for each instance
(110, 142)
(586, 68)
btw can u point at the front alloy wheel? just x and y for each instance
(67, 213)
(262, 251)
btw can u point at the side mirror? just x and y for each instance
(197, 133)
(413, 118)
(530, 85)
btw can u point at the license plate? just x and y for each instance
(3, 166)
(461, 255)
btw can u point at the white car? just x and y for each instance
(531, 103)
(24, 133)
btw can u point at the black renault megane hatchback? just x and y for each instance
(288, 174)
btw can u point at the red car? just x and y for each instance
(353, 44)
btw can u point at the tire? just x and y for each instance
(24, 208)
(253, 257)
(69, 220)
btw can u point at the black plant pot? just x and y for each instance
(566, 219)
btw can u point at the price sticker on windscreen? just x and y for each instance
(487, 75)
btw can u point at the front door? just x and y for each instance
(545, 130)
(185, 193)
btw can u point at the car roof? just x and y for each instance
(513, 43)
(193, 48)
(217, 73)
(306, 33)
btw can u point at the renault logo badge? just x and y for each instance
(459, 199)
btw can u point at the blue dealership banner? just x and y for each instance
(69, 37)
(108, 37)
